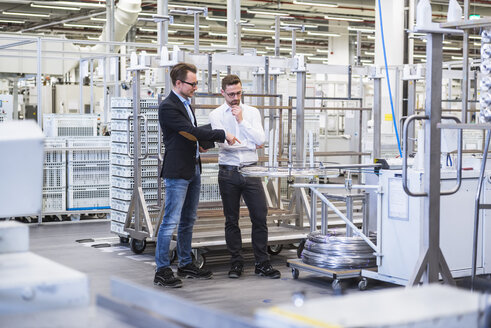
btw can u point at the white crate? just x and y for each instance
(88, 198)
(118, 228)
(127, 183)
(122, 148)
(66, 125)
(97, 149)
(54, 200)
(124, 160)
(51, 155)
(122, 102)
(3, 117)
(210, 192)
(122, 136)
(123, 113)
(118, 216)
(125, 194)
(122, 125)
(88, 174)
(54, 175)
(127, 171)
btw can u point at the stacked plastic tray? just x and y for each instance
(209, 183)
(54, 175)
(3, 117)
(88, 173)
(122, 165)
(70, 125)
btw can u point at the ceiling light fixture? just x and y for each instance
(267, 13)
(310, 3)
(81, 4)
(14, 13)
(298, 25)
(365, 30)
(12, 21)
(323, 34)
(288, 39)
(348, 19)
(257, 30)
(83, 25)
(322, 51)
(97, 19)
(35, 5)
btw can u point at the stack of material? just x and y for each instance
(122, 164)
(337, 252)
(88, 173)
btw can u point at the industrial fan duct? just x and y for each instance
(338, 252)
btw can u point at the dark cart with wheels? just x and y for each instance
(335, 274)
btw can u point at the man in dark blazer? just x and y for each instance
(182, 176)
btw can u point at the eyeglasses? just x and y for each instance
(233, 94)
(194, 84)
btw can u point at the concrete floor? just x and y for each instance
(58, 242)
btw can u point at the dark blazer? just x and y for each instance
(180, 152)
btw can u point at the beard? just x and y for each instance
(235, 103)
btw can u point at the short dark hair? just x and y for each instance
(230, 79)
(180, 72)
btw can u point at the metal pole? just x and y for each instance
(91, 86)
(377, 116)
(299, 140)
(210, 73)
(294, 42)
(106, 94)
(15, 95)
(477, 208)
(39, 109)
(277, 36)
(431, 218)
(238, 38)
(358, 48)
(136, 143)
(196, 32)
(431, 261)
(411, 106)
(81, 87)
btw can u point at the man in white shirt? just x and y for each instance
(245, 123)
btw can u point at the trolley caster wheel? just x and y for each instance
(336, 284)
(300, 248)
(200, 260)
(295, 273)
(275, 249)
(138, 246)
(362, 284)
(124, 240)
(172, 255)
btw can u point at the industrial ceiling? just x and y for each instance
(75, 20)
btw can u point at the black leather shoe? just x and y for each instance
(236, 270)
(165, 277)
(192, 271)
(266, 270)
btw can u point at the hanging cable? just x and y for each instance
(387, 77)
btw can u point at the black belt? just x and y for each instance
(233, 167)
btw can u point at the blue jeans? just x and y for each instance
(181, 204)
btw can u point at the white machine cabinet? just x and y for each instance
(400, 232)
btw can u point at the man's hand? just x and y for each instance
(202, 150)
(231, 139)
(237, 112)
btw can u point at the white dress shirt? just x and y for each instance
(250, 133)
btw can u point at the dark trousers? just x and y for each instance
(233, 185)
